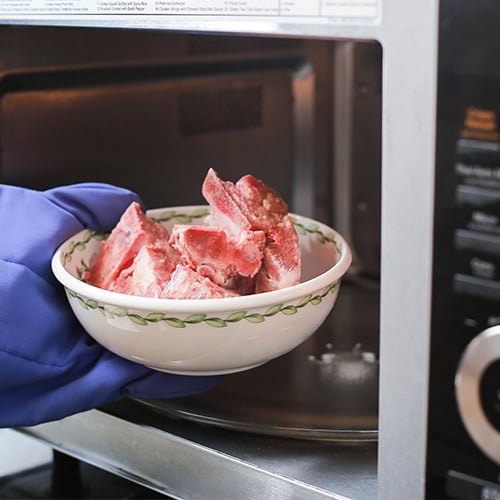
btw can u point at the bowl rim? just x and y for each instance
(331, 275)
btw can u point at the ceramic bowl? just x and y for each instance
(212, 336)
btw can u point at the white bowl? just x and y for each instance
(212, 336)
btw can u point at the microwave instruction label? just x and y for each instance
(365, 11)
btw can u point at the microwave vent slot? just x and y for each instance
(208, 111)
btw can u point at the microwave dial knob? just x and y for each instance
(477, 390)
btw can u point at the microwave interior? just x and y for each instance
(152, 111)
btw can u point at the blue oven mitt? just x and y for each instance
(49, 367)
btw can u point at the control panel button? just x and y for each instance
(476, 391)
(476, 241)
(476, 151)
(465, 284)
(477, 196)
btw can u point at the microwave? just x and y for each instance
(379, 117)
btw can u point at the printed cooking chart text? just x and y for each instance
(365, 10)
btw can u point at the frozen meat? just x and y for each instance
(248, 244)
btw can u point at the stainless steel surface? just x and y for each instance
(356, 150)
(303, 190)
(222, 25)
(190, 461)
(326, 389)
(409, 87)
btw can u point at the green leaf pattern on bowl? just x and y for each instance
(314, 229)
(155, 317)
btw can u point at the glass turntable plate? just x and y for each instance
(326, 389)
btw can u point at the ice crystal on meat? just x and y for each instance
(149, 273)
(216, 255)
(188, 284)
(251, 205)
(133, 231)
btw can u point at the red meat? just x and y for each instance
(216, 255)
(226, 207)
(250, 246)
(263, 204)
(188, 284)
(149, 273)
(281, 265)
(251, 205)
(134, 230)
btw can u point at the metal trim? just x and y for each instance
(480, 352)
(167, 463)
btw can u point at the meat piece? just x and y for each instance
(226, 207)
(216, 255)
(251, 205)
(263, 204)
(269, 212)
(134, 230)
(251, 246)
(188, 284)
(149, 273)
(281, 265)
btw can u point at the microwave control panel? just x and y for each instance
(463, 443)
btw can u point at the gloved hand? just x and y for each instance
(49, 367)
